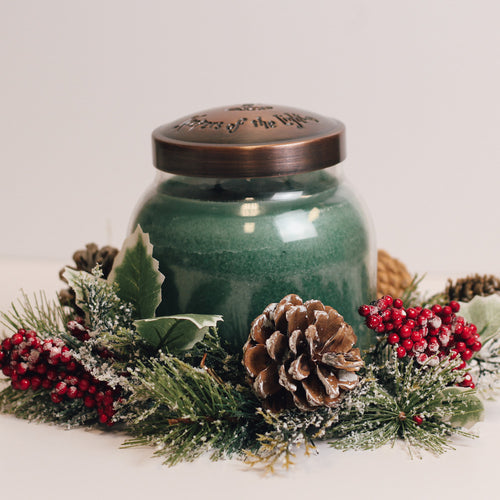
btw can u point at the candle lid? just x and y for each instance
(248, 140)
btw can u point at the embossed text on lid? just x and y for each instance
(248, 140)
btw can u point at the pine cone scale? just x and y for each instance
(277, 346)
(329, 381)
(256, 359)
(266, 383)
(299, 368)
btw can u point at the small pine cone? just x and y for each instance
(301, 355)
(465, 289)
(86, 260)
(392, 276)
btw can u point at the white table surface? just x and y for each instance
(44, 462)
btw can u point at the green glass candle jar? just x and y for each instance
(250, 204)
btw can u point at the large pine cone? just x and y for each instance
(301, 355)
(466, 289)
(86, 260)
(392, 276)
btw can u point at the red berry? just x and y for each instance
(418, 419)
(410, 323)
(426, 313)
(420, 345)
(103, 418)
(446, 311)
(83, 384)
(22, 368)
(396, 315)
(460, 346)
(436, 308)
(7, 344)
(455, 306)
(433, 344)
(46, 383)
(389, 327)
(16, 339)
(72, 392)
(71, 366)
(365, 310)
(401, 352)
(388, 300)
(467, 381)
(24, 384)
(61, 388)
(36, 382)
(373, 321)
(89, 402)
(55, 398)
(407, 344)
(397, 303)
(393, 338)
(386, 315)
(411, 313)
(405, 331)
(471, 340)
(65, 357)
(41, 368)
(416, 335)
(467, 354)
(71, 380)
(422, 358)
(476, 346)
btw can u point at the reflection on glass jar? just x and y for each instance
(232, 246)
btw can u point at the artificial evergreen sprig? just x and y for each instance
(184, 411)
(290, 430)
(410, 402)
(37, 406)
(105, 311)
(36, 312)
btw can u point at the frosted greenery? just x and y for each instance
(189, 397)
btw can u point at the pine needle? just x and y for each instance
(37, 313)
(183, 412)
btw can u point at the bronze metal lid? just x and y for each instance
(248, 140)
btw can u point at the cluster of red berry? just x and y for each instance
(33, 363)
(428, 335)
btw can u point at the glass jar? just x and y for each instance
(240, 222)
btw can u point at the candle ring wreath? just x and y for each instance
(98, 356)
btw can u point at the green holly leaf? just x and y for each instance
(137, 275)
(484, 312)
(466, 408)
(174, 334)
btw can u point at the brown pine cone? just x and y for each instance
(465, 289)
(392, 276)
(86, 260)
(301, 355)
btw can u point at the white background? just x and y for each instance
(83, 83)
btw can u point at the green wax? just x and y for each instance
(233, 246)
